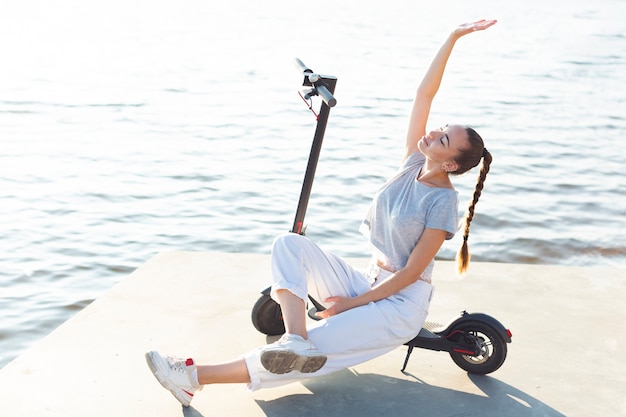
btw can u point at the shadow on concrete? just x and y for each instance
(347, 393)
(191, 412)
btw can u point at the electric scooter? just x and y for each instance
(476, 342)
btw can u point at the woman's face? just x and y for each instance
(444, 144)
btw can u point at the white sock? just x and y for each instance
(194, 377)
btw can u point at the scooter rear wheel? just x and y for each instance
(492, 347)
(267, 317)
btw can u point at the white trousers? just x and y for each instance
(349, 338)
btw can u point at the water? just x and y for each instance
(130, 128)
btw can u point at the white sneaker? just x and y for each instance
(175, 375)
(292, 353)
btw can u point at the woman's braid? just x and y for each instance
(463, 257)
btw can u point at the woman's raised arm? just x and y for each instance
(432, 80)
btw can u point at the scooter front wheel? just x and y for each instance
(267, 317)
(486, 340)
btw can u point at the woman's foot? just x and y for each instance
(175, 374)
(292, 353)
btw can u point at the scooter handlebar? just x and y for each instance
(326, 95)
(303, 68)
(315, 80)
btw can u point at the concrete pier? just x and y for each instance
(565, 359)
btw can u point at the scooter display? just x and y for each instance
(476, 342)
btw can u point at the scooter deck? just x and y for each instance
(428, 328)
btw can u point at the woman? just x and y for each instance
(368, 313)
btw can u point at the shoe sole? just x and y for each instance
(282, 362)
(178, 393)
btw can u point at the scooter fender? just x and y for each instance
(485, 318)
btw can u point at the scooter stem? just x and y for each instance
(324, 86)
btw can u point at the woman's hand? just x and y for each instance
(466, 28)
(340, 304)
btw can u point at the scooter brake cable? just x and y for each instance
(309, 103)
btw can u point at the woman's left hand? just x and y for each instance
(466, 28)
(340, 304)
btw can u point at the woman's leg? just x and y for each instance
(225, 373)
(293, 310)
(300, 268)
(303, 268)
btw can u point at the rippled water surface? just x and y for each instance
(130, 128)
